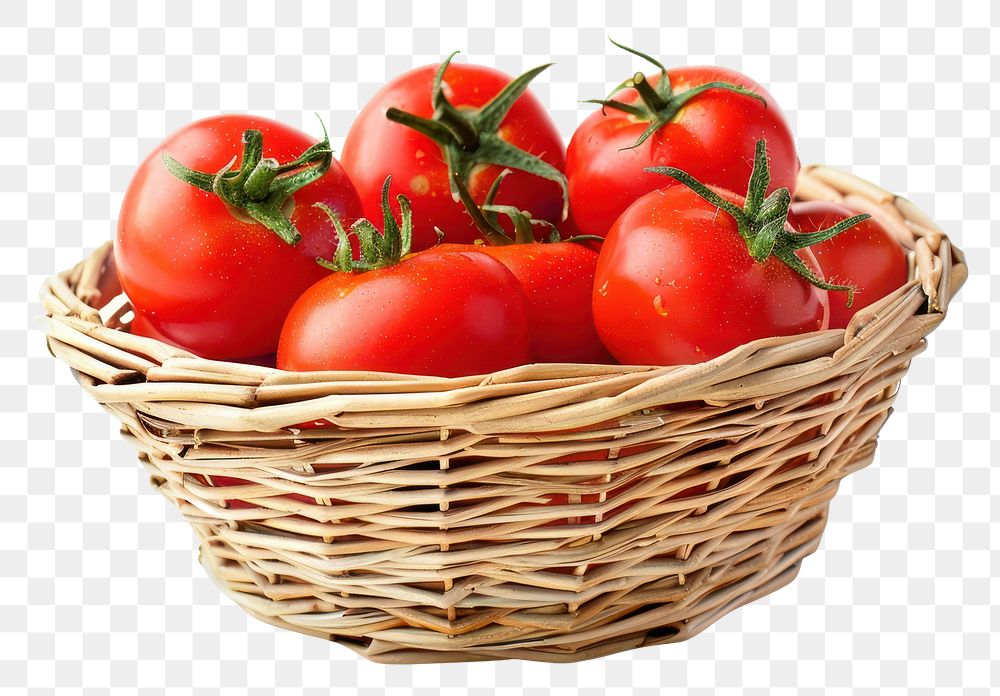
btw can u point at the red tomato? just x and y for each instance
(207, 276)
(446, 313)
(141, 326)
(867, 257)
(676, 282)
(377, 147)
(558, 281)
(711, 137)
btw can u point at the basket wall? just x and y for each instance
(548, 512)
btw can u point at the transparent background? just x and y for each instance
(99, 583)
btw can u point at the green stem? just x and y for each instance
(378, 249)
(653, 101)
(261, 186)
(522, 221)
(660, 104)
(463, 132)
(432, 129)
(485, 216)
(258, 183)
(469, 137)
(763, 220)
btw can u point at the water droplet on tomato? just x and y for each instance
(658, 306)
(603, 290)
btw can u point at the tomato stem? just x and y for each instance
(378, 249)
(763, 220)
(485, 217)
(258, 183)
(660, 104)
(469, 137)
(650, 97)
(261, 186)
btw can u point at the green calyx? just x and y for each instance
(762, 220)
(378, 249)
(469, 137)
(659, 104)
(486, 218)
(261, 186)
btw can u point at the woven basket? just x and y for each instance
(547, 512)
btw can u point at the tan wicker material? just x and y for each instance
(547, 512)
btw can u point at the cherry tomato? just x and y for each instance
(141, 326)
(498, 138)
(679, 280)
(206, 275)
(444, 314)
(710, 134)
(867, 257)
(437, 312)
(557, 279)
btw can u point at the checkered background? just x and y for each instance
(99, 584)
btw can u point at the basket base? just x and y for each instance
(658, 611)
(389, 654)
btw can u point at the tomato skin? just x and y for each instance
(445, 314)
(675, 284)
(558, 281)
(866, 255)
(141, 326)
(712, 138)
(376, 147)
(215, 284)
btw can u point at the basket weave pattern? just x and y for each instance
(547, 512)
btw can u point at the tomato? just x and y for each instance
(204, 273)
(141, 326)
(557, 278)
(688, 273)
(445, 313)
(492, 123)
(868, 257)
(674, 119)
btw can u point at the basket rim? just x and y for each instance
(174, 385)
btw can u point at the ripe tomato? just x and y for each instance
(687, 274)
(205, 273)
(558, 281)
(704, 120)
(140, 326)
(868, 257)
(445, 313)
(471, 120)
(557, 278)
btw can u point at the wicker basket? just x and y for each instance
(547, 512)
